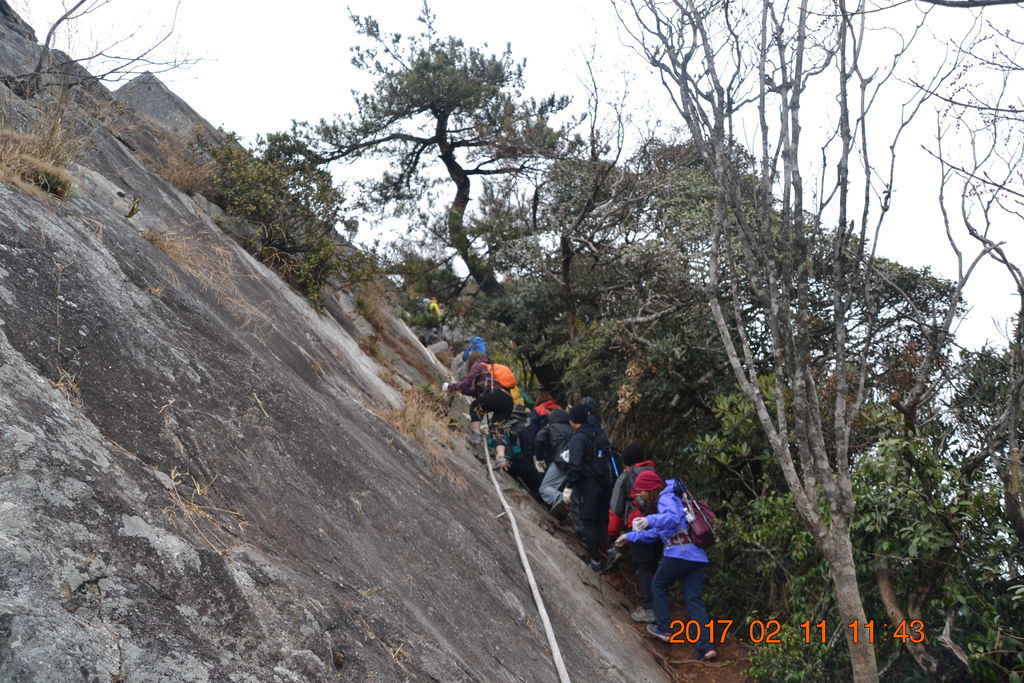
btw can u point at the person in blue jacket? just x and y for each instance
(683, 561)
(475, 344)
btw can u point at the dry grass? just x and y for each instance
(250, 317)
(23, 163)
(422, 420)
(201, 257)
(209, 521)
(33, 159)
(187, 167)
(372, 303)
(212, 265)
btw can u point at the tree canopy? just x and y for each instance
(435, 98)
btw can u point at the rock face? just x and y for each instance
(146, 95)
(195, 484)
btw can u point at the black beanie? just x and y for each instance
(579, 414)
(633, 455)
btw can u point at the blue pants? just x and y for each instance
(691, 573)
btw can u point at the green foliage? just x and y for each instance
(438, 104)
(791, 660)
(294, 208)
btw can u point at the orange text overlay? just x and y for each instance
(771, 631)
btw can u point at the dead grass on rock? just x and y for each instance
(187, 167)
(372, 303)
(201, 257)
(422, 420)
(23, 163)
(188, 502)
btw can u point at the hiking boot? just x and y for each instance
(614, 555)
(658, 633)
(595, 566)
(558, 507)
(705, 657)
(643, 616)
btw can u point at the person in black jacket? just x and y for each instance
(553, 440)
(587, 481)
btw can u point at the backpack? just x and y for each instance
(501, 374)
(701, 530)
(630, 502)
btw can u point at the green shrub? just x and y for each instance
(282, 189)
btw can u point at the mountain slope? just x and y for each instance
(195, 483)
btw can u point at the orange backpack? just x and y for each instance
(501, 374)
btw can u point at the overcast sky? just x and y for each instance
(264, 65)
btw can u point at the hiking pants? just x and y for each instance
(522, 468)
(551, 486)
(592, 508)
(594, 536)
(691, 574)
(645, 557)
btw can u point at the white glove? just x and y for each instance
(567, 496)
(444, 386)
(640, 523)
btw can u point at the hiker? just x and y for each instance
(475, 384)
(605, 449)
(545, 403)
(587, 482)
(625, 506)
(498, 404)
(683, 560)
(551, 443)
(475, 344)
(435, 308)
(510, 452)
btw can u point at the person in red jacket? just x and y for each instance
(625, 506)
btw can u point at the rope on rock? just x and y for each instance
(556, 654)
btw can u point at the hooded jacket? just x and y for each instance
(475, 344)
(476, 382)
(667, 523)
(623, 500)
(546, 407)
(554, 438)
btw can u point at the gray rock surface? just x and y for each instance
(147, 95)
(195, 484)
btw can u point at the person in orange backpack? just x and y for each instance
(475, 384)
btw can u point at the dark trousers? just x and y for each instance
(523, 469)
(691, 574)
(645, 558)
(594, 536)
(590, 503)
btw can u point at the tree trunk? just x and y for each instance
(478, 268)
(851, 607)
(929, 662)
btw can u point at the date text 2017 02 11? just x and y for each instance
(770, 631)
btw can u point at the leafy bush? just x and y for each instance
(281, 188)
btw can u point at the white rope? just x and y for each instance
(556, 654)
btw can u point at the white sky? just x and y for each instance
(266, 64)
